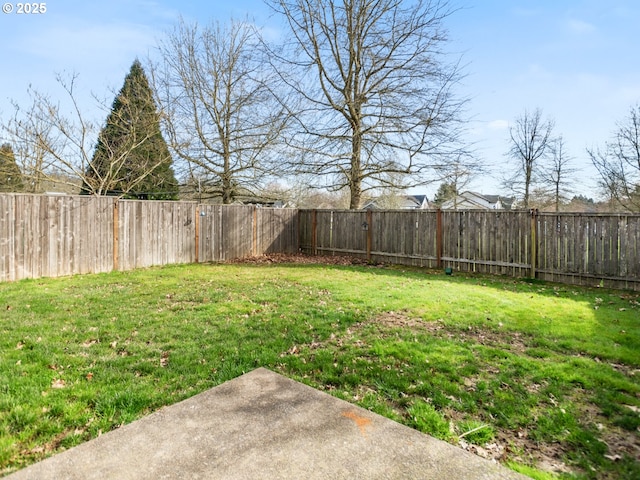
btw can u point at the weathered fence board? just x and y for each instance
(590, 249)
(276, 230)
(155, 233)
(404, 237)
(228, 232)
(225, 232)
(42, 236)
(48, 236)
(487, 241)
(570, 248)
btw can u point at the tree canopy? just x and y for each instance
(223, 116)
(375, 90)
(131, 158)
(531, 139)
(446, 191)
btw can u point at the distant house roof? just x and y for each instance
(478, 201)
(262, 202)
(420, 201)
(400, 202)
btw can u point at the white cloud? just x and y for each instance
(88, 43)
(498, 124)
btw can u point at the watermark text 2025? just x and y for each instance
(24, 8)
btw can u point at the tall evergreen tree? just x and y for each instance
(10, 176)
(131, 158)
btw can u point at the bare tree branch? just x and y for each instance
(375, 88)
(556, 176)
(531, 138)
(222, 115)
(58, 146)
(619, 163)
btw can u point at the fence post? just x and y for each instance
(254, 238)
(534, 241)
(116, 231)
(197, 222)
(298, 231)
(369, 233)
(314, 232)
(439, 238)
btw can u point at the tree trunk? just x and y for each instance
(527, 183)
(355, 180)
(227, 190)
(227, 184)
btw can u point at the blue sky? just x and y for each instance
(577, 60)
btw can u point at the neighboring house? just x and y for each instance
(478, 201)
(403, 202)
(262, 202)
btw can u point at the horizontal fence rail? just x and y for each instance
(50, 236)
(581, 249)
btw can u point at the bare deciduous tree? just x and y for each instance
(221, 114)
(56, 143)
(29, 133)
(556, 175)
(619, 163)
(530, 137)
(376, 91)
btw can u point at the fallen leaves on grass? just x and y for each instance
(58, 383)
(299, 258)
(490, 451)
(164, 359)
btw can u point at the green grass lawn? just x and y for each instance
(544, 378)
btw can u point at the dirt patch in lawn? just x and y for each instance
(507, 444)
(278, 258)
(512, 341)
(516, 445)
(402, 320)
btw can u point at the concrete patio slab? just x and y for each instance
(264, 426)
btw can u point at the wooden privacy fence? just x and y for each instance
(589, 249)
(49, 236)
(571, 248)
